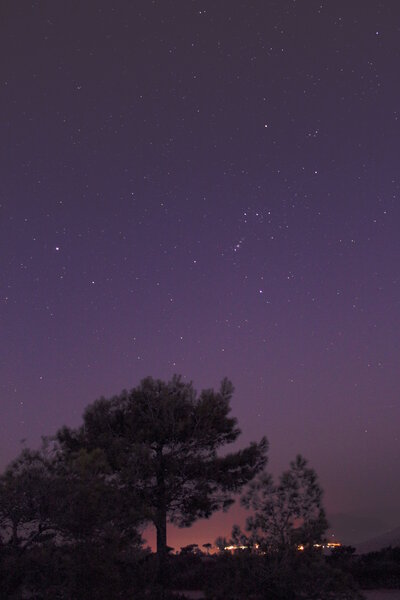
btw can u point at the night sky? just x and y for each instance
(208, 188)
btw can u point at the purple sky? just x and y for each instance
(208, 188)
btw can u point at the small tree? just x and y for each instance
(54, 515)
(288, 520)
(27, 501)
(192, 549)
(162, 441)
(221, 543)
(287, 514)
(208, 547)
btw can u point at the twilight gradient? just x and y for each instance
(208, 188)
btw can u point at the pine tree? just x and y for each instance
(287, 514)
(161, 440)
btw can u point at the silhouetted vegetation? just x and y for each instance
(307, 575)
(279, 558)
(71, 514)
(379, 569)
(66, 532)
(373, 570)
(284, 515)
(160, 442)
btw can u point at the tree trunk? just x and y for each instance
(162, 549)
(161, 523)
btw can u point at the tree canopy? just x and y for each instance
(289, 513)
(62, 523)
(287, 521)
(162, 441)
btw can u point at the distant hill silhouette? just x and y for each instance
(390, 538)
(353, 529)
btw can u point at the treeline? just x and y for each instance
(72, 513)
(380, 569)
(247, 573)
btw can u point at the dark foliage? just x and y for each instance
(161, 443)
(306, 575)
(64, 532)
(286, 516)
(70, 515)
(373, 570)
(377, 569)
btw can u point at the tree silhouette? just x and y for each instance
(161, 441)
(190, 549)
(62, 521)
(279, 559)
(30, 498)
(288, 514)
(208, 547)
(221, 543)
